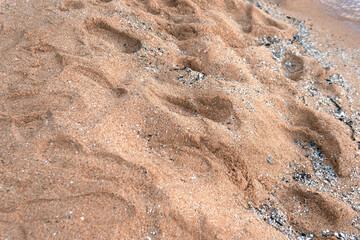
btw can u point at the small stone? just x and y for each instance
(339, 235)
(82, 218)
(326, 233)
(270, 159)
(260, 5)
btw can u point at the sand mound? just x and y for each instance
(169, 119)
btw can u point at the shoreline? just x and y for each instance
(333, 36)
(318, 20)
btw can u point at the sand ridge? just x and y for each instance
(169, 119)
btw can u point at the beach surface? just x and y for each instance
(178, 119)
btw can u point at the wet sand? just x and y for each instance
(347, 11)
(325, 22)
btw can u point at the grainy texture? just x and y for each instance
(172, 119)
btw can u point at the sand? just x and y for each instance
(177, 119)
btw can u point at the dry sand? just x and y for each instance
(177, 119)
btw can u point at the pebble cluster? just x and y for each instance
(324, 177)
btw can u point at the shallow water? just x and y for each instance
(345, 10)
